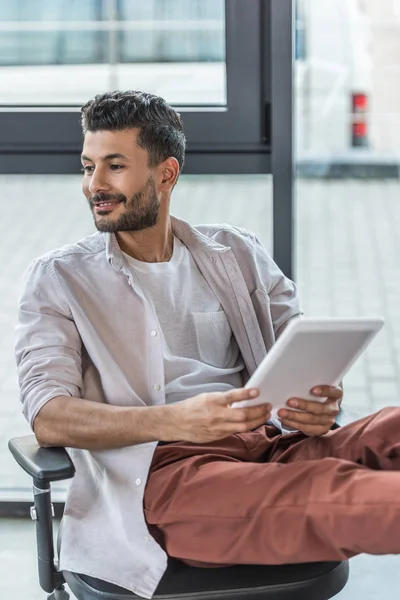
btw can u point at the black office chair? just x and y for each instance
(308, 581)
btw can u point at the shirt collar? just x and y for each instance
(191, 237)
(113, 251)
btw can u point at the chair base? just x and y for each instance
(59, 594)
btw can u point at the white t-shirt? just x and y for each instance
(200, 352)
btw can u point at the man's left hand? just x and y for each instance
(316, 417)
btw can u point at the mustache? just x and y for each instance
(100, 197)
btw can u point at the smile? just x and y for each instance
(110, 204)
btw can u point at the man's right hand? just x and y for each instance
(209, 417)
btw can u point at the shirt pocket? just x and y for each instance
(213, 335)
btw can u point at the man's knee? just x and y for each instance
(389, 413)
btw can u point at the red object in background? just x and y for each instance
(359, 124)
(360, 129)
(360, 102)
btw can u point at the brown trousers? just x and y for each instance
(267, 498)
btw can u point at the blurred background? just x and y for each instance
(303, 150)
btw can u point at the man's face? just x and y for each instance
(118, 182)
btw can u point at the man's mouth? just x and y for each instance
(106, 205)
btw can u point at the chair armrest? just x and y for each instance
(43, 464)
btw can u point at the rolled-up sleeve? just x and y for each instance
(48, 345)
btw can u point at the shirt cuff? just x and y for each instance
(275, 420)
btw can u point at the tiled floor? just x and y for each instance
(348, 248)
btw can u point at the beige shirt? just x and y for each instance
(84, 330)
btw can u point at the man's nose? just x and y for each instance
(98, 182)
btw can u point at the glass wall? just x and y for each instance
(348, 91)
(348, 107)
(348, 211)
(64, 51)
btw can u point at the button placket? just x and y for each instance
(157, 353)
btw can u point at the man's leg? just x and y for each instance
(217, 506)
(373, 441)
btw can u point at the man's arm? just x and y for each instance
(282, 292)
(79, 423)
(48, 353)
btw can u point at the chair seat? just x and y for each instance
(309, 581)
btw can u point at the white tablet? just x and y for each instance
(308, 353)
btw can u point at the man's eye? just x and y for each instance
(116, 167)
(87, 169)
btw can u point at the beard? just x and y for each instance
(141, 210)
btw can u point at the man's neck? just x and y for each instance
(150, 245)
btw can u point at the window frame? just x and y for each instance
(47, 139)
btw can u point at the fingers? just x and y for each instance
(249, 425)
(328, 391)
(234, 395)
(311, 430)
(247, 415)
(240, 419)
(245, 419)
(322, 414)
(311, 417)
(305, 418)
(329, 406)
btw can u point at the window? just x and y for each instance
(209, 58)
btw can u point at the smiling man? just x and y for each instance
(136, 212)
(131, 346)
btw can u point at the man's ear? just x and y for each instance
(169, 173)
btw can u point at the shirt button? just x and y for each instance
(138, 481)
(157, 387)
(153, 333)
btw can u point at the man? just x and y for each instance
(131, 346)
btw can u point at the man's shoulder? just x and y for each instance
(226, 234)
(89, 245)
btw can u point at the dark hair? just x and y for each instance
(161, 131)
